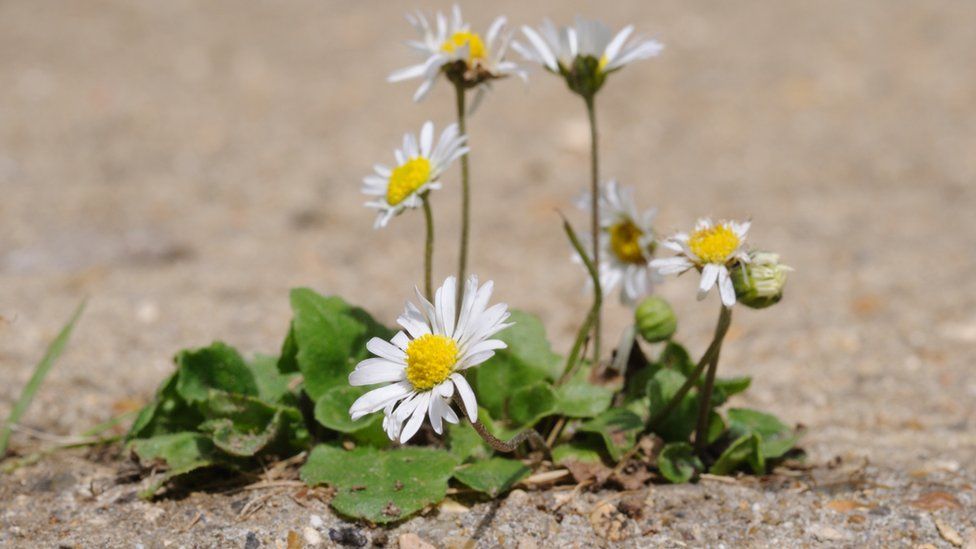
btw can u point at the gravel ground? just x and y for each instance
(185, 163)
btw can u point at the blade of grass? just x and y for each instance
(40, 372)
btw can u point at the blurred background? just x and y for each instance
(185, 163)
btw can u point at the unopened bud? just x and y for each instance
(655, 320)
(759, 283)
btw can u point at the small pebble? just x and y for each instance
(413, 541)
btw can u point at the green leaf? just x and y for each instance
(678, 462)
(465, 443)
(218, 366)
(181, 452)
(288, 359)
(777, 437)
(227, 436)
(37, 378)
(494, 476)
(381, 485)
(271, 383)
(527, 360)
(167, 413)
(332, 409)
(676, 357)
(576, 451)
(331, 339)
(530, 404)
(580, 398)
(733, 385)
(746, 449)
(678, 425)
(618, 428)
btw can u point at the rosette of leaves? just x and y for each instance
(742, 440)
(219, 410)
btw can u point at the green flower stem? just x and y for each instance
(573, 361)
(595, 222)
(465, 194)
(428, 250)
(500, 445)
(705, 398)
(721, 328)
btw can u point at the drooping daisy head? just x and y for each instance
(584, 53)
(713, 249)
(627, 242)
(419, 164)
(449, 46)
(422, 366)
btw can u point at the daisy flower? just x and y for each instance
(423, 366)
(419, 163)
(585, 52)
(448, 45)
(713, 249)
(626, 242)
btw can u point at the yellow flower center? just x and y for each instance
(625, 241)
(430, 360)
(476, 48)
(714, 245)
(602, 64)
(406, 179)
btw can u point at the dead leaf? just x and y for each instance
(844, 505)
(585, 471)
(294, 540)
(948, 533)
(933, 501)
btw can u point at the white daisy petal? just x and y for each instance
(377, 399)
(385, 349)
(709, 276)
(376, 370)
(725, 287)
(467, 396)
(412, 426)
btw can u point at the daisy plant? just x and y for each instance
(714, 250)
(468, 60)
(419, 165)
(584, 54)
(389, 417)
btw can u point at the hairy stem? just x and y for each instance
(573, 361)
(705, 398)
(429, 250)
(595, 223)
(465, 195)
(500, 445)
(720, 329)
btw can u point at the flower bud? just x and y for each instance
(759, 283)
(655, 320)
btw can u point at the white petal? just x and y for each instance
(426, 138)
(467, 396)
(444, 299)
(435, 411)
(613, 48)
(376, 370)
(709, 275)
(382, 348)
(377, 399)
(407, 73)
(725, 287)
(412, 426)
(545, 54)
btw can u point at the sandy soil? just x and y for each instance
(184, 164)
